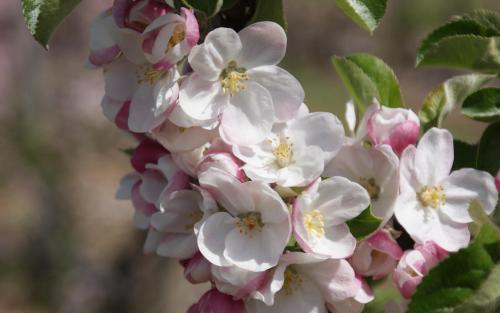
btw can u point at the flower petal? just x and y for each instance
(212, 237)
(263, 43)
(434, 156)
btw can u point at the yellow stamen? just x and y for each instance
(432, 196)
(293, 281)
(250, 222)
(314, 223)
(147, 74)
(283, 153)
(371, 187)
(177, 36)
(232, 77)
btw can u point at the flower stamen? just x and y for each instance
(314, 223)
(293, 281)
(371, 187)
(283, 153)
(232, 77)
(148, 74)
(178, 35)
(250, 222)
(432, 196)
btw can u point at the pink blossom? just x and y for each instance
(214, 301)
(224, 161)
(137, 15)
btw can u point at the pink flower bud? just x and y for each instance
(224, 161)
(197, 269)
(395, 127)
(376, 256)
(415, 264)
(497, 181)
(215, 302)
(170, 38)
(137, 15)
(148, 151)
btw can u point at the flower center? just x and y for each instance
(250, 222)
(371, 187)
(314, 223)
(432, 196)
(232, 77)
(293, 281)
(148, 74)
(177, 36)
(194, 217)
(283, 153)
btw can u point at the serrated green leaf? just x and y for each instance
(367, 77)
(364, 224)
(470, 41)
(449, 95)
(43, 16)
(208, 7)
(465, 155)
(483, 105)
(459, 278)
(270, 10)
(366, 13)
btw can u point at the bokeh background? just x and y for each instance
(65, 244)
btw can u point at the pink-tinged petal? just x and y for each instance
(110, 108)
(497, 181)
(221, 46)
(120, 80)
(192, 29)
(320, 129)
(408, 180)
(197, 269)
(463, 186)
(103, 48)
(129, 42)
(148, 151)
(179, 139)
(177, 246)
(433, 254)
(152, 241)
(238, 282)
(382, 241)
(268, 202)
(216, 302)
(212, 237)
(201, 99)
(434, 156)
(251, 110)
(402, 135)
(263, 43)
(104, 56)
(121, 119)
(152, 185)
(409, 272)
(124, 191)
(143, 209)
(120, 11)
(224, 161)
(286, 92)
(227, 190)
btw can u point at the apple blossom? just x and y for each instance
(374, 168)
(320, 213)
(303, 283)
(393, 126)
(433, 204)
(169, 38)
(414, 265)
(137, 15)
(103, 48)
(197, 269)
(294, 154)
(235, 75)
(355, 304)
(377, 255)
(252, 230)
(152, 93)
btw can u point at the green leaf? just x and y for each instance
(364, 224)
(366, 13)
(461, 278)
(483, 105)
(465, 155)
(470, 41)
(208, 7)
(270, 10)
(447, 96)
(43, 16)
(367, 77)
(488, 157)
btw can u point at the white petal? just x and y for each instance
(111, 108)
(153, 183)
(434, 156)
(320, 129)
(212, 237)
(120, 80)
(177, 246)
(126, 183)
(227, 190)
(263, 43)
(286, 91)
(201, 99)
(269, 203)
(251, 110)
(143, 116)
(350, 116)
(179, 139)
(221, 46)
(307, 166)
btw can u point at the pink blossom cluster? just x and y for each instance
(234, 177)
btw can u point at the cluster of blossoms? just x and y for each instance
(236, 178)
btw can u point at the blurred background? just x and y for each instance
(65, 244)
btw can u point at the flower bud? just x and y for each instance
(214, 301)
(197, 269)
(137, 15)
(395, 127)
(148, 151)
